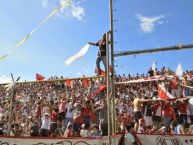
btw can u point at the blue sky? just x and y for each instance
(138, 25)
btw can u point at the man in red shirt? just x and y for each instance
(167, 113)
(77, 119)
(54, 119)
(86, 111)
(175, 87)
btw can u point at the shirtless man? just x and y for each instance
(137, 104)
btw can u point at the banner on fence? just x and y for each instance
(161, 139)
(58, 141)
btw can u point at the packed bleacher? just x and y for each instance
(78, 107)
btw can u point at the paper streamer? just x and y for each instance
(64, 3)
(5, 55)
(81, 53)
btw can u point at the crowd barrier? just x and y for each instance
(164, 139)
(58, 141)
(56, 80)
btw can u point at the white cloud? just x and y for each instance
(78, 12)
(147, 24)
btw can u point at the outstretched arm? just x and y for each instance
(147, 100)
(91, 43)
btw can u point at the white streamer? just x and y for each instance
(81, 53)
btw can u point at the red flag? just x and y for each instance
(39, 77)
(68, 83)
(100, 89)
(85, 83)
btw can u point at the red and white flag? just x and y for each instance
(163, 93)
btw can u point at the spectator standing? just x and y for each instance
(45, 127)
(101, 53)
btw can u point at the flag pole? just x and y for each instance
(112, 65)
(108, 89)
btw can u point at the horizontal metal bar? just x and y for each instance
(170, 48)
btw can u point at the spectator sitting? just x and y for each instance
(84, 132)
(94, 131)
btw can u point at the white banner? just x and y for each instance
(57, 141)
(147, 139)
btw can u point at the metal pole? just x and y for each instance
(11, 109)
(108, 89)
(112, 65)
(11, 104)
(170, 48)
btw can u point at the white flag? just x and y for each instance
(153, 66)
(179, 71)
(81, 53)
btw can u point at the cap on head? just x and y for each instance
(47, 114)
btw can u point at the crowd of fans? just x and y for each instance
(72, 108)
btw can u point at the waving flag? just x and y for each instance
(100, 89)
(39, 77)
(163, 92)
(79, 54)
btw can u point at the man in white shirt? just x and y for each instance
(45, 127)
(69, 114)
(84, 132)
